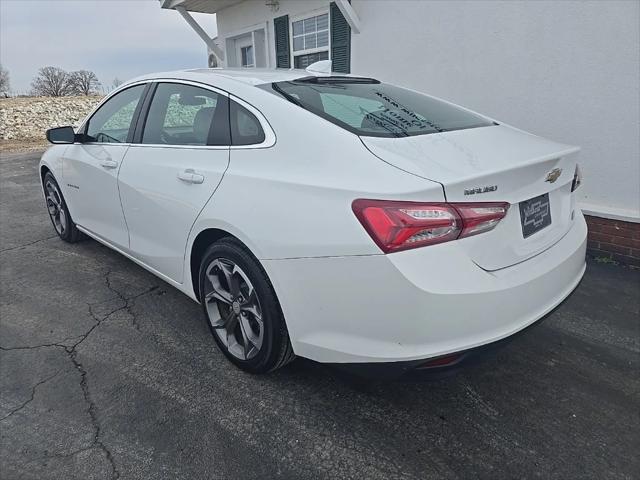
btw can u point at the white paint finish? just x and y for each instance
(289, 200)
(300, 205)
(159, 207)
(52, 159)
(320, 68)
(462, 156)
(419, 303)
(564, 70)
(91, 181)
(515, 162)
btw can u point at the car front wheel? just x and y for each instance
(58, 211)
(242, 309)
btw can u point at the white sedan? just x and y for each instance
(331, 217)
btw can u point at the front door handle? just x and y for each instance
(109, 163)
(190, 176)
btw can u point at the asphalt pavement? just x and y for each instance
(107, 372)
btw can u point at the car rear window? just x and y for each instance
(370, 108)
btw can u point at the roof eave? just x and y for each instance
(199, 6)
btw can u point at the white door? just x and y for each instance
(90, 169)
(166, 180)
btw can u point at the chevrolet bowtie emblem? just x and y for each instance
(553, 175)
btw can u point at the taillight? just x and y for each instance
(396, 226)
(577, 179)
(480, 217)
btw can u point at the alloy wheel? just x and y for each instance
(56, 207)
(233, 309)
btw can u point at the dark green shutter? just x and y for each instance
(340, 41)
(281, 29)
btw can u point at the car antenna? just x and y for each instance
(321, 68)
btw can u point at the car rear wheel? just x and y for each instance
(242, 309)
(58, 211)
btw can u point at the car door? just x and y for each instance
(172, 170)
(90, 169)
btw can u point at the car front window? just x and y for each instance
(112, 121)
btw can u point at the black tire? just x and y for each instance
(54, 200)
(275, 349)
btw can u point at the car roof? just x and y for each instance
(239, 76)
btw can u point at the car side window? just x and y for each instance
(245, 127)
(112, 121)
(185, 115)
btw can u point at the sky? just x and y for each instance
(113, 38)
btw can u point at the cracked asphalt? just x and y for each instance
(106, 372)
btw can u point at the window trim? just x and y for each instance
(270, 138)
(305, 16)
(147, 108)
(142, 116)
(253, 56)
(269, 134)
(234, 109)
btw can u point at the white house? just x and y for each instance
(567, 70)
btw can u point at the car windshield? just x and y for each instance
(367, 107)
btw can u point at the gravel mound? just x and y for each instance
(30, 117)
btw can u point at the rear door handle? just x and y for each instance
(190, 176)
(109, 163)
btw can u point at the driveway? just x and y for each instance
(107, 372)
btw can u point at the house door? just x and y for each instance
(245, 52)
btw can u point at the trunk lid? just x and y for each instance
(491, 164)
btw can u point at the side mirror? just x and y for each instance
(61, 135)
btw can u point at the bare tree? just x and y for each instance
(84, 82)
(52, 82)
(4, 80)
(116, 83)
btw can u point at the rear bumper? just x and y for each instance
(435, 368)
(418, 304)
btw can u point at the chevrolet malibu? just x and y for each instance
(332, 217)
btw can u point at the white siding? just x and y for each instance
(567, 70)
(255, 13)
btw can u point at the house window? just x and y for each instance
(303, 61)
(310, 40)
(247, 56)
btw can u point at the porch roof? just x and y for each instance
(214, 6)
(200, 6)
